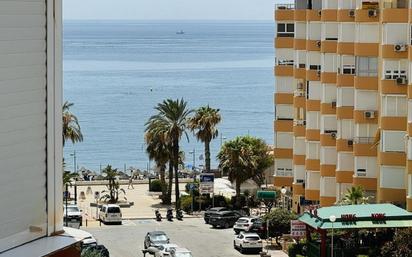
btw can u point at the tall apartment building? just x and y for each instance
(343, 100)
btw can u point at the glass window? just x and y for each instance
(367, 66)
(395, 106)
(395, 69)
(285, 29)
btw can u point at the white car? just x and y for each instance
(247, 241)
(180, 252)
(110, 213)
(164, 250)
(244, 224)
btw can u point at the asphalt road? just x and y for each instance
(127, 239)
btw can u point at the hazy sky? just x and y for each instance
(170, 9)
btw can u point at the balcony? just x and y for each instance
(364, 146)
(284, 12)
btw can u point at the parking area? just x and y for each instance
(192, 233)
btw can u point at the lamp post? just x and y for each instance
(74, 171)
(221, 139)
(332, 219)
(283, 191)
(193, 153)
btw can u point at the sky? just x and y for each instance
(169, 9)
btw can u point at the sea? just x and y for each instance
(115, 72)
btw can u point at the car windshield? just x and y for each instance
(242, 221)
(113, 210)
(252, 238)
(72, 209)
(159, 238)
(182, 255)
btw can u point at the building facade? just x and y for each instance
(31, 185)
(343, 100)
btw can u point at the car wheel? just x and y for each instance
(214, 226)
(234, 245)
(227, 225)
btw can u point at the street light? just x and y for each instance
(74, 171)
(332, 219)
(221, 139)
(283, 191)
(193, 153)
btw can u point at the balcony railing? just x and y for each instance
(363, 140)
(284, 6)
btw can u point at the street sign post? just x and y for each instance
(297, 229)
(206, 183)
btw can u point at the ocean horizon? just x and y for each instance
(116, 71)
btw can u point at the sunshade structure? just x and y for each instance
(365, 216)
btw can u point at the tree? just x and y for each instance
(68, 177)
(159, 151)
(71, 127)
(279, 222)
(244, 158)
(172, 117)
(355, 195)
(400, 246)
(203, 124)
(114, 189)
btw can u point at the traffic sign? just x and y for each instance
(269, 195)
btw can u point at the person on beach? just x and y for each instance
(130, 183)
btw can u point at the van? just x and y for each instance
(110, 213)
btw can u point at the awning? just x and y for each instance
(358, 217)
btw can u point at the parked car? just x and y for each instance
(172, 250)
(247, 241)
(156, 239)
(110, 213)
(259, 227)
(245, 224)
(74, 214)
(225, 219)
(211, 211)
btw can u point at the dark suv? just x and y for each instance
(224, 219)
(211, 211)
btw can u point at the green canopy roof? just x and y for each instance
(359, 216)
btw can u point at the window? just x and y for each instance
(299, 146)
(313, 60)
(312, 120)
(367, 33)
(392, 177)
(410, 148)
(313, 31)
(300, 28)
(284, 140)
(330, 4)
(300, 59)
(395, 69)
(328, 155)
(284, 56)
(284, 84)
(312, 150)
(393, 141)
(366, 100)
(329, 63)
(345, 161)
(316, 4)
(328, 186)
(313, 180)
(330, 31)
(328, 93)
(366, 66)
(346, 96)
(313, 89)
(284, 167)
(395, 33)
(346, 30)
(347, 65)
(345, 129)
(394, 106)
(365, 166)
(365, 130)
(299, 173)
(346, 4)
(284, 111)
(409, 110)
(409, 185)
(286, 29)
(328, 124)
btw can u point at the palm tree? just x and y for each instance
(355, 195)
(114, 189)
(172, 117)
(244, 158)
(204, 123)
(159, 151)
(68, 178)
(71, 127)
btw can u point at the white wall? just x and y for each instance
(284, 84)
(392, 177)
(312, 150)
(313, 180)
(345, 129)
(284, 140)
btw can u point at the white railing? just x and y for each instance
(284, 6)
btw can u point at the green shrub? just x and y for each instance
(156, 186)
(295, 249)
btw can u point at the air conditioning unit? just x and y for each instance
(399, 48)
(401, 81)
(333, 134)
(369, 114)
(351, 13)
(300, 181)
(318, 43)
(372, 13)
(350, 142)
(334, 104)
(300, 86)
(318, 73)
(361, 172)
